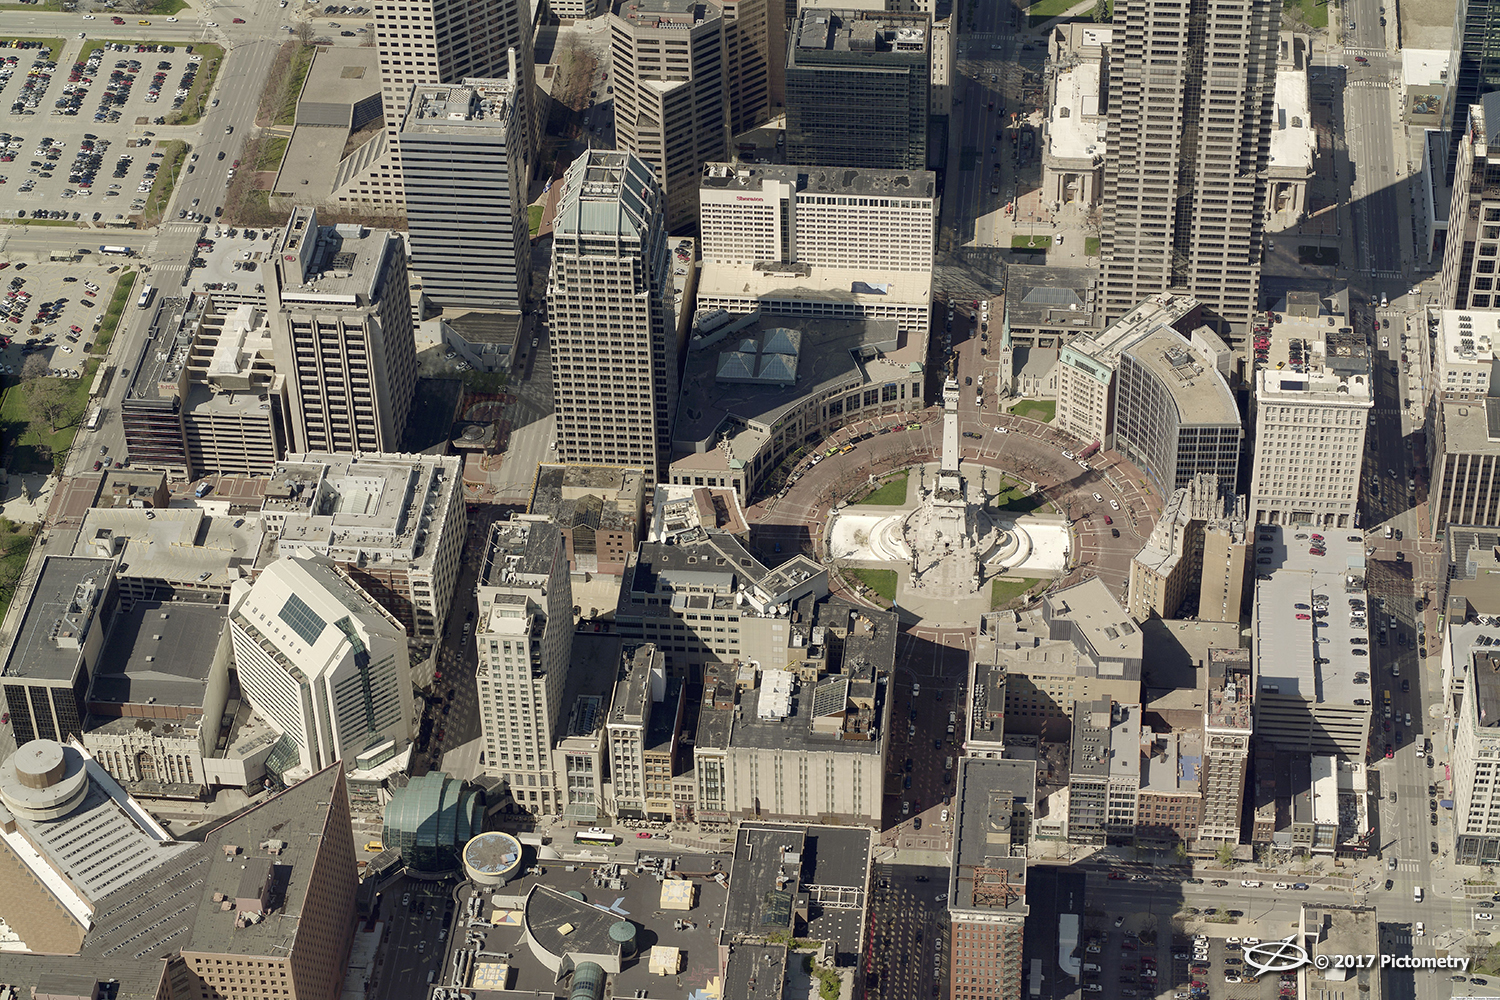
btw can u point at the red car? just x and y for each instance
(1361, 59)
(1389, 753)
(239, 20)
(98, 466)
(117, 20)
(1199, 984)
(76, 329)
(1304, 618)
(643, 834)
(1115, 876)
(1108, 519)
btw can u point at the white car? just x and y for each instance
(1232, 979)
(1248, 884)
(1484, 916)
(171, 20)
(88, 17)
(1420, 929)
(1251, 942)
(1280, 886)
(1002, 430)
(1098, 498)
(1114, 505)
(1232, 941)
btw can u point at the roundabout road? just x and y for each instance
(1026, 450)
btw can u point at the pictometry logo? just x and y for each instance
(1276, 956)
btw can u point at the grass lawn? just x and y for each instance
(162, 8)
(31, 445)
(1318, 256)
(1313, 13)
(117, 302)
(271, 152)
(534, 217)
(46, 5)
(1024, 242)
(1489, 965)
(1036, 409)
(48, 222)
(1045, 9)
(292, 86)
(166, 179)
(1016, 500)
(15, 546)
(881, 581)
(891, 493)
(203, 81)
(1091, 246)
(1007, 589)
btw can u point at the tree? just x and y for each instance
(304, 32)
(1179, 851)
(1226, 855)
(1101, 11)
(35, 366)
(50, 399)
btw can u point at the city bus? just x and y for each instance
(64, 255)
(597, 836)
(93, 423)
(110, 251)
(145, 297)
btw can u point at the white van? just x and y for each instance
(1389, 531)
(945, 815)
(1416, 893)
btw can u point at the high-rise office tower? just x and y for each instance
(463, 159)
(755, 43)
(1473, 69)
(525, 639)
(1192, 93)
(614, 349)
(1473, 247)
(325, 663)
(672, 93)
(427, 42)
(857, 91)
(341, 334)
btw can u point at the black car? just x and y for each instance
(1388, 884)
(1433, 846)
(1114, 532)
(1235, 913)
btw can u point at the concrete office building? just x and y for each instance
(1029, 669)
(857, 91)
(1228, 724)
(1197, 560)
(877, 220)
(341, 332)
(644, 721)
(395, 523)
(54, 796)
(600, 509)
(1472, 67)
(1309, 683)
(285, 868)
(1313, 400)
(795, 745)
(1104, 777)
(183, 554)
(524, 633)
(426, 43)
(1473, 233)
(1087, 365)
(463, 158)
(993, 811)
(1464, 456)
(1169, 809)
(325, 663)
(705, 598)
(614, 351)
(754, 47)
(1074, 132)
(57, 647)
(1476, 746)
(160, 694)
(757, 388)
(672, 93)
(1463, 353)
(581, 750)
(204, 395)
(1198, 97)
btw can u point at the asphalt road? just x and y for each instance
(1371, 141)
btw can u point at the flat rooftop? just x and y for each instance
(519, 546)
(1285, 646)
(473, 106)
(871, 289)
(869, 33)
(565, 493)
(765, 880)
(63, 607)
(745, 376)
(1320, 355)
(1075, 129)
(993, 804)
(165, 352)
(816, 180)
(174, 544)
(331, 266)
(668, 13)
(1042, 296)
(1466, 337)
(1105, 626)
(161, 653)
(1231, 694)
(1292, 137)
(1472, 428)
(1200, 392)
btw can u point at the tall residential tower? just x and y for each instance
(1192, 94)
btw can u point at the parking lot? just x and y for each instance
(63, 313)
(228, 263)
(83, 135)
(1181, 966)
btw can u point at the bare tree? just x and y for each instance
(35, 366)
